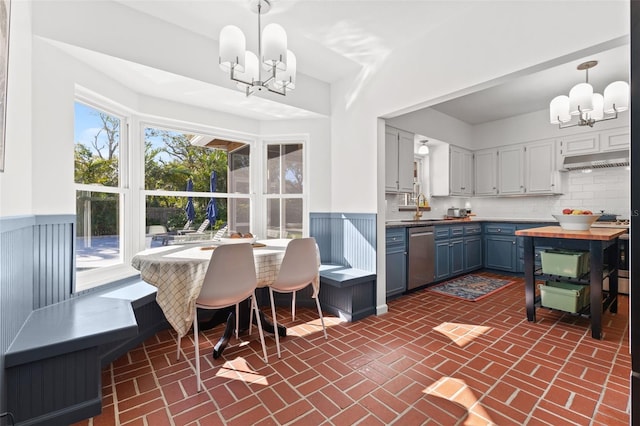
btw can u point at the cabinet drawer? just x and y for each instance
(396, 238)
(441, 232)
(456, 231)
(472, 229)
(500, 228)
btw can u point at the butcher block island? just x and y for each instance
(602, 246)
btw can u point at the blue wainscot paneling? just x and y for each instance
(53, 342)
(347, 243)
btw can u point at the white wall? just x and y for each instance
(531, 127)
(16, 182)
(436, 125)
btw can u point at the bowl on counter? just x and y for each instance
(576, 222)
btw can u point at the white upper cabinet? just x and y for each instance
(460, 171)
(579, 145)
(541, 176)
(615, 139)
(511, 170)
(398, 160)
(486, 171)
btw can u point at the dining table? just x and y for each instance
(178, 273)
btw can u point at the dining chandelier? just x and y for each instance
(273, 69)
(589, 107)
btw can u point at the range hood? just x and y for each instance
(600, 160)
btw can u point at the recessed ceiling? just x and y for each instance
(533, 92)
(333, 39)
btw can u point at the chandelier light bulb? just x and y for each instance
(232, 48)
(616, 93)
(580, 98)
(274, 47)
(251, 70)
(287, 78)
(559, 110)
(598, 102)
(423, 149)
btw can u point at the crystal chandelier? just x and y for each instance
(589, 107)
(244, 67)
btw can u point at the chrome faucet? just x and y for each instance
(418, 214)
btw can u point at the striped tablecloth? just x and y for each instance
(178, 273)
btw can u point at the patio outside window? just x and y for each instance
(99, 187)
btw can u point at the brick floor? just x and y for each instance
(432, 359)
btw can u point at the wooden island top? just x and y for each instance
(602, 234)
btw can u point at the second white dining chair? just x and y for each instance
(298, 270)
(230, 279)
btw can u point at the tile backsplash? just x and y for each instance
(602, 189)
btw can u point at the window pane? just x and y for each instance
(292, 165)
(169, 213)
(273, 218)
(273, 169)
(97, 230)
(170, 159)
(239, 168)
(97, 140)
(293, 218)
(239, 215)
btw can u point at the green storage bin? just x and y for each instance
(566, 263)
(564, 296)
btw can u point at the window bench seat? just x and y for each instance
(53, 366)
(349, 293)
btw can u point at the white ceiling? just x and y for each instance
(335, 38)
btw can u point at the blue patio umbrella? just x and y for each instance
(211, 207)
(190, 209)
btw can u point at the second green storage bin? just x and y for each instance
(564, 296)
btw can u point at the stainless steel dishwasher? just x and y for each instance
(421, 264)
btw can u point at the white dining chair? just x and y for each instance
(230, 279)
(298, 270)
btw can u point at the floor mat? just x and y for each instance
(471, 287)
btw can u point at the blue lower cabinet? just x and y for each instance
(456, 255)
(500, 253)
(443, 263)
(396, 260)
(472, 253)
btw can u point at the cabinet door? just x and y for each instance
(391, 159)
(486, 170)
(460, 171)
(468, 174)
(405, 161)
(615, 140)
(396, 276)
(442, 260)
(500, 252)
(456, 256)
(472, 253)
(511, 170)
(578, 145)
(540, 167)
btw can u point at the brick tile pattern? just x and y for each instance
(430, 360)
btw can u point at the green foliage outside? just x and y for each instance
(170, 160)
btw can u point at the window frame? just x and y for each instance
(89, 279)
(285, 140)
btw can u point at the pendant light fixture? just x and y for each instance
(423, 149)
(246, 69)
(589, 107)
